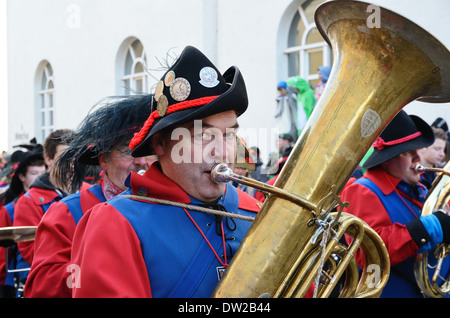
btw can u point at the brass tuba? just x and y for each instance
(376, 72)
(438, 198)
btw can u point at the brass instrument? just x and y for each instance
(13, 234)
(438, 198)
(376, 72)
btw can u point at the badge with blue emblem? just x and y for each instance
(208, 77)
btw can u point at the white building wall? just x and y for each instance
(83, 57)
(247, 33)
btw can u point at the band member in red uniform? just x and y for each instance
(42, 192)
(390, 198)
(132, 247)
(30, 166)
(101, 141)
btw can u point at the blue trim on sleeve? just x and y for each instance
(434, 229)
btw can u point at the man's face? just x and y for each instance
(32, 173)
(59, 151)
(282, 143)
(434, 154)
(403, 166)
(189, 153)
(119, 163)
(283, 91)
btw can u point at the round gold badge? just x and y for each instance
(159, 89)
(162, 105)
(180, 89)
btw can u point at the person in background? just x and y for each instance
(305, 100)
(389, 198)
(284, 145)
(433, 156)
(31, 166)
(441, 123)
(3, 160)
(324, 74)
(257, 174)
(8, 171)
(44, 191)
(261, 196)
(100, 141)
(286, 114)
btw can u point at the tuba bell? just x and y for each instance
(435, 284)
(376, 72)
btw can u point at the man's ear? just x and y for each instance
(48, 161)
(103, 161)
(158, 143)
(21, 177)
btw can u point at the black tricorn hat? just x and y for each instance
(404, 133)
(191, 89)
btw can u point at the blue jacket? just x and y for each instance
(169, 250)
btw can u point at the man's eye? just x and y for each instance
(230, 135)
(203, 136)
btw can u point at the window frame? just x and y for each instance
(130, 76)
(45, 101)
(303, 49)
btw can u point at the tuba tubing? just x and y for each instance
(432, 284)
(390, 65)
(302, 274)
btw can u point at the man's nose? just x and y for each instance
(140, 162)
(415, 156)
(219, 151)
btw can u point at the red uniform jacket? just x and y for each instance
(52, 248)
(5, 221)
(367, 206)
(30, 209)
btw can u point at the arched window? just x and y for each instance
(134, 79)
(45, 100)
(306, 49)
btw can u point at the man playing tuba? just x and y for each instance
(390, 199)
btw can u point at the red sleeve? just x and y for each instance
(366, 205)
(5, 221)
(27, 213)
(52, 247)
(106, 253)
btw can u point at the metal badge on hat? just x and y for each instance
(169, 78)
(180, 89)
(162, 106)
(208, 77)
(159, 90)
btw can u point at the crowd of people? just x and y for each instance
(119, 214)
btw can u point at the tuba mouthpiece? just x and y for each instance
(419, 168)
(221, 173)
